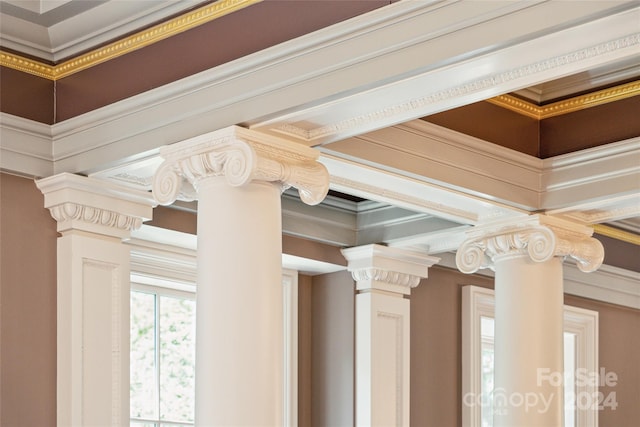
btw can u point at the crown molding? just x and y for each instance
(631, 225)
(616, 233)
(122, 46)
(577, 103)
(597, 182)
(600, 77)
(25, 147)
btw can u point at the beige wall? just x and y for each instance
(27, 306)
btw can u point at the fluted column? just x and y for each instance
(527, 256)
(238, 175)
(93, 218)
(384, 278)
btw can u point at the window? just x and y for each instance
(580, 355)
(162, 356)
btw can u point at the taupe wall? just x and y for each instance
(27, 306)
(333, 350)
(305, 349)
(436, 351)
(435, 347)
(619, 344)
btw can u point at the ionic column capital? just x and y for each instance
(388, 269)
(96, 206)
(241, 156)
(539, 237)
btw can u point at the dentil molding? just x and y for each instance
(241, 156)
(539, 237)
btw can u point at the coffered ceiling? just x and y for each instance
(361, 82)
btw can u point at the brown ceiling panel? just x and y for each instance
(620, 254)
(233, 36)
(26, 95)
(591, 127)
(492, 123)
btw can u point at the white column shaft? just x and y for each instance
(382, 359)
(239, 336)
(528, 337)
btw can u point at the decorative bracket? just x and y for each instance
(241, 156)
(539, 237)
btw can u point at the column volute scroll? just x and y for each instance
(540, 237)
(240, 156)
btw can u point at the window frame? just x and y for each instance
(479, 302)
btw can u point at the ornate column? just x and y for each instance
(384, 277)
(93, 296)
(238, 175)
(527, 256)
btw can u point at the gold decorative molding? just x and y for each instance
(25, 65)
(568, 105)
(616, 233)
(121, 47)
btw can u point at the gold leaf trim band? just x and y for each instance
(569, 105)
(616, 233)
(134, 42)
(25, 65)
